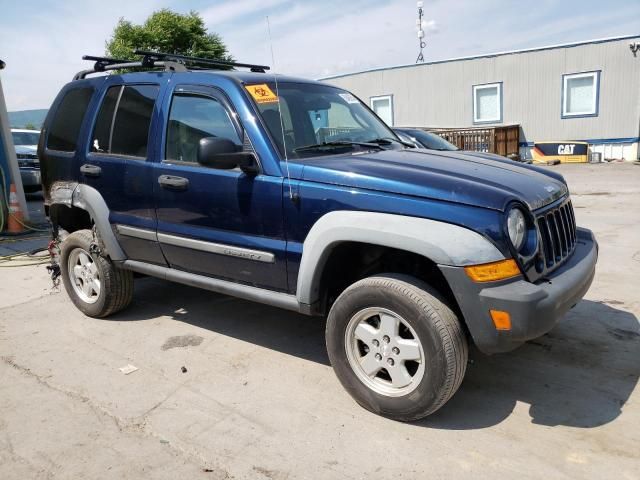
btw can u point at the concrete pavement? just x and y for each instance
(259, 400)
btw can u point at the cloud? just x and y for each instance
(431, 26)
(358, 36)
(42, 46)
(226, 12)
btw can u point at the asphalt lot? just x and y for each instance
(259, 400)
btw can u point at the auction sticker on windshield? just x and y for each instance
(262, 93)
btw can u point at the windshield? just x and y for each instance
(25, 138)
(430, 140)
(316, 116)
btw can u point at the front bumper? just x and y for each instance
(535, 308)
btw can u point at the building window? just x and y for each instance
(487, 103)
(383, 107)
(580, 92)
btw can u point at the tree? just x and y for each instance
(166, 31)
(30, 126)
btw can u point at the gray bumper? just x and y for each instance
(535, 308)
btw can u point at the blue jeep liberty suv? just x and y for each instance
(295, 194)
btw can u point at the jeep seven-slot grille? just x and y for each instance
(558, 233)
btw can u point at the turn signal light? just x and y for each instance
(490, 272)
(501, 320)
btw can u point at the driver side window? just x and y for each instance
(191, 118)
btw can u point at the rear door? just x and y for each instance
(119, 160)
(220, 223)
(59, 140)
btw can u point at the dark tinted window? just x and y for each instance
(65, 127)
(133, 119)
(102, 131)
(191, 118)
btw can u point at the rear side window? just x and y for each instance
(66, 123)
(122, 126)
(102, 131)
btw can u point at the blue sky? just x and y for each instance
(42, 40)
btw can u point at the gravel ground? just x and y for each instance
(257, 398)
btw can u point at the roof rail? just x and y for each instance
(170, 62)
(198, 61)
(102, 62)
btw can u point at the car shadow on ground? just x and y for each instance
(580, 375)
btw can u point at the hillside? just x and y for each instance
(24, 117)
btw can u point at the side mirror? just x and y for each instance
(222, 153)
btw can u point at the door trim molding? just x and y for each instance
(217, 248)
(141, 233)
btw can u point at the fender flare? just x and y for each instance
(442, 243)
(89, 199)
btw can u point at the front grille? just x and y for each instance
(558, 234)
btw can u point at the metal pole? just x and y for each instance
(10, 153)
(420, 29)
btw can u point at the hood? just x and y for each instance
(31, 149)
(482, 180)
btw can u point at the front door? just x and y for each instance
(219, 223)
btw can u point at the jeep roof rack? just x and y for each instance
(198, 61)
(170, 62)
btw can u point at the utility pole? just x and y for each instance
(420, 24)
(8, 160)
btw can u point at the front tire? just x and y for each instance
(396, 346)
(95, 285)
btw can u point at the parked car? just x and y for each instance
(26, 144)
(295, 194)
(423, 139)
(419, 138)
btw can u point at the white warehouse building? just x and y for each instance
(587, 91)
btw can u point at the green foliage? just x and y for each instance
(30, 126)
(166, 31)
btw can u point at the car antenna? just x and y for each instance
(284, 141)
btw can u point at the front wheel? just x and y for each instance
(95, 285)
(396, 346)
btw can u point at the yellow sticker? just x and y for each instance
(262, 93)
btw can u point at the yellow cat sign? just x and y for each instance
(262, 93)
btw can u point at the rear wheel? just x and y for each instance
(95, 285)
(396, 346)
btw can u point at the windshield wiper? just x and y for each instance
(337, 144)
(389, 140)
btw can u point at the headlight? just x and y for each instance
(517, 228)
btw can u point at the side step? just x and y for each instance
(246, 292)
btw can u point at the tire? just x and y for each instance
(368, 310)
(101, 289)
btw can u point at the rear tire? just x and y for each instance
(396, 346)
(95, 285)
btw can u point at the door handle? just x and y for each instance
(171, 182)
(90, 170)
